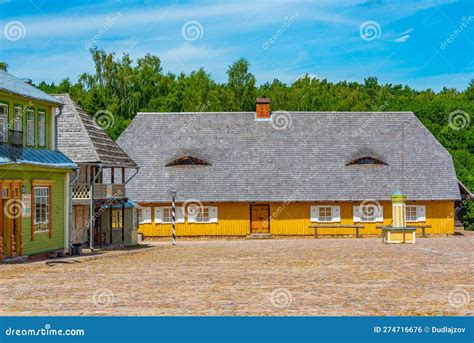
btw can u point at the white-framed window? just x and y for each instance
(368, 213)
(30, 127)
(144, 215)
(41, 129)
(163, 215)
(167, 215)
(325, 214)
(415, 213)
(18, 118)
(202, 214)
(3, 122)
(41, 209)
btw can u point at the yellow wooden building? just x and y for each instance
(280, 173)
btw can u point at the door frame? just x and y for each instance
(268, 208)
(15, 225)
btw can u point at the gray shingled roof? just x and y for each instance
(83, 141)
(252, 161)
(13, 85)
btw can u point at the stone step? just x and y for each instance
(259, 236)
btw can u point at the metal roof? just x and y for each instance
(34, 156)
(295, 156)
(13, 85)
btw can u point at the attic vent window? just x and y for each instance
(188, 161)
(367, 160)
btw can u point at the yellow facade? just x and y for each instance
(294, 219)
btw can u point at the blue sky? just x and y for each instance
(425, 44)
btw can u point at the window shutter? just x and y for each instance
(146, 215)
(159, 215)
(213, 214)
(179, 215)
(314, 213)
(192, 213)
(379, 217)
(356, 214)
(336, 213)
(420, 213)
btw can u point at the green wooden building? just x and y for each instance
(34, 175)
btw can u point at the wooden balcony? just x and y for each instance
(101, 191)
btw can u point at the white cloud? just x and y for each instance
(402, 39)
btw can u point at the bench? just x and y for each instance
(322, 226)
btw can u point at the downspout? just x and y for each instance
(56, 131)
(91, 205)
(71, 183)
(131, 177)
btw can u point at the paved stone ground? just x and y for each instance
(252, 277)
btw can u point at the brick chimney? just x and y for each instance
(263, 108)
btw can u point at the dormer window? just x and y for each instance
(366, 160)
(188, 161)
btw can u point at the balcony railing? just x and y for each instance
(101, 191)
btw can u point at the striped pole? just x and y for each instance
(173, 215)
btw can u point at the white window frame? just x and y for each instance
(420, 213)
(160, 217)
(144, 215)
(335, 216)
(41, 128)
(378, 214)
(41, 197)
(30, 127)
(18, 118)
(212, 217)
(4, 123)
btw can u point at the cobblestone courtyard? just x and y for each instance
(251, 277)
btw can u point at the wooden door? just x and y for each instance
(259, 221)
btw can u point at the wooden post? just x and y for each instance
(112, 175)
(123, 222)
